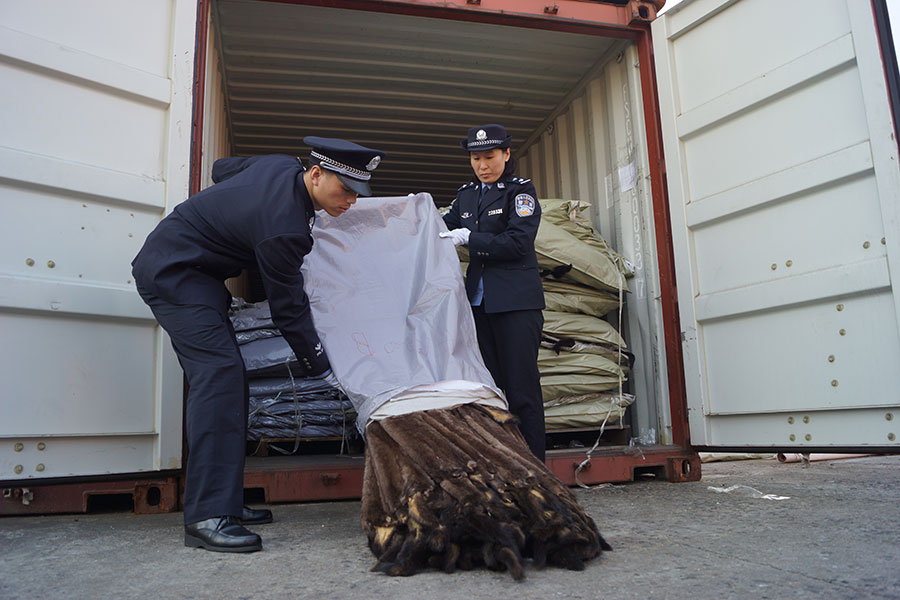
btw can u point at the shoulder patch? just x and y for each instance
(520, 180)
(525, 204)
(465, 185)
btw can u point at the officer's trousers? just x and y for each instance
(216, 406)
(509, 343)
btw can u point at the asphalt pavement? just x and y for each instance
(749, 529)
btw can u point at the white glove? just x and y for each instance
(459, 236)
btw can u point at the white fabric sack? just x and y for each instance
(389, 305)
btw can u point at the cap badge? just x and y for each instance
(376, 160)
(481, 135)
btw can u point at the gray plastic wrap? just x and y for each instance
(246, 316)
(269, 356)
(388, 301)
(272, 386)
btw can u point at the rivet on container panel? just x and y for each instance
(882, 242)
(807, 437)
(51, 264)
(788, 263)
(806, 418)
(843, 332)
(790, 420)
(866, 244)
(774, 266)
(18, 469)
(831, 358)
(41, 446)
(891, 437)
(834, 383)
(839, 307)
(19, 447)
(29, 262)
(40, 467)
(792, 437)
(888, 416)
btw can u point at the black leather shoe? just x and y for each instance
(221, 534)
(251, 516)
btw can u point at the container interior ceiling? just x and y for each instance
(412, 86)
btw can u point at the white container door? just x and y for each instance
(784, 195)
(95, 125)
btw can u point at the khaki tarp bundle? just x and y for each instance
(573, 298)
(619, 356)
(568, 215)
(583, 328)
(574, 384)
(557, 248)
(553, 363)
(589, 410)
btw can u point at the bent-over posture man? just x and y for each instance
(260, 213)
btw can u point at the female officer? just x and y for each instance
(498, 218)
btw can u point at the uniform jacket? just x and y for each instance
(501, 245)
(259, 214)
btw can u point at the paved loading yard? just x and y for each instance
(837, 536)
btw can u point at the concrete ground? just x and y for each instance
(837, 535)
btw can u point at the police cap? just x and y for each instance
(352, 163)
(486, 137)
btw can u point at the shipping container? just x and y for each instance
(744, 159)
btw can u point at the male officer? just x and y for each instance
(259, 214)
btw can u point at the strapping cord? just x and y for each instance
(615, 403)
(298, 419)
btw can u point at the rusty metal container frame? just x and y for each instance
(323, 480)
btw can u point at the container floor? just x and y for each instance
(834, 536)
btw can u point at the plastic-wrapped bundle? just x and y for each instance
(247, 316)
(269, 357)
(312, 388)
(289, 406)
(283, 417)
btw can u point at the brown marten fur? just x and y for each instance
(458, 488)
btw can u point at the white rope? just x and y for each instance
(615, 403)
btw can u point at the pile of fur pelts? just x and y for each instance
(458, 488)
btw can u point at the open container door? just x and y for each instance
(95, 130)
(783, 188)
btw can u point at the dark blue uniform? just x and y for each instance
(259, 214)
(508, 321)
